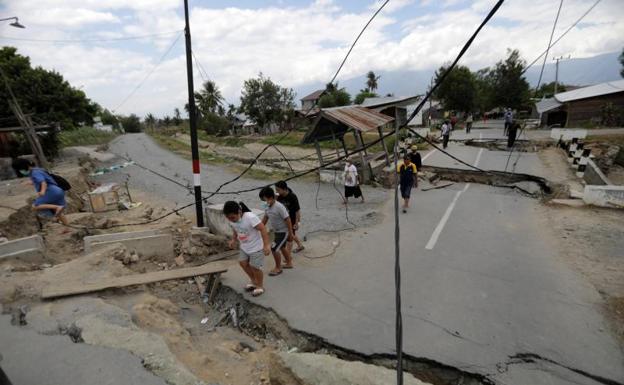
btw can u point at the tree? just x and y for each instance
(365, 93)
(371, 81)
(484, 83)
(166, 121)
(266, 102)
(130, 123)
(510, 88)
(150, 120)
(46, 94)
(209, 98)
(458, 90)
(177, 117)
(334, 97)
(547, 90)
(622, 63)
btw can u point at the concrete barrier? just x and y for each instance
(29, 249)
(567, 133)
(604, 196)
(594, 176)
(158, 242)
(218, 223)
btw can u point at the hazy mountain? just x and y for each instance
(587, 71)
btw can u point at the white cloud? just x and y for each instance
(294, 45)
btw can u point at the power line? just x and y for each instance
(96, 40)
(562, 35)
(552, 33)
(149, 73)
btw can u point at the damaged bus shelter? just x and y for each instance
(334, 123)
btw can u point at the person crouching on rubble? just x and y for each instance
(254, 242)
(50, 199)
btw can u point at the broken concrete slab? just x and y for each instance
(604, 196)
(321, 369)
(29, 249)
(157, 242)
(218, 223)
(567, 202)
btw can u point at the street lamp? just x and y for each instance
(15, 24)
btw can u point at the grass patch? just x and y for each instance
(615, 139)
(85, 136)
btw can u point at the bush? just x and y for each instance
(84, 136)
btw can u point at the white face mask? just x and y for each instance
(264, 206)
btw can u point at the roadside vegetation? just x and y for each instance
(84, 136)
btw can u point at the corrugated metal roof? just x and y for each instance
(358, 118)
(591, 91)
(314, 95)
(546, 105)
(387, 100)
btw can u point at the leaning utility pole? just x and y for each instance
(193, 121)
(557, 60)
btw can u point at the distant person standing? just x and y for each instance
(446, 133)
(453, 121)
(468, 123)
(288, 198)
(408, 178)
(351, 182)
(508, 120)
(513, 132)
(415, 157)
(277, 216)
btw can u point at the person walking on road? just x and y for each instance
(50, 199)
(513, 132)
(408, 178)
(352, 182)
(469, 123)
(446, 133)
(254, 242)
(278, 217)
(288, 198)
(508, 120)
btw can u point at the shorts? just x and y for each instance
(279, 241)
(406, 190)
(353, 191)
(255, 259)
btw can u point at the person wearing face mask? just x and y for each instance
(254, 242)
(50, 199)
(278, 217)
(351, 182)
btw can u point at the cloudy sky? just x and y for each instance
(298, 43)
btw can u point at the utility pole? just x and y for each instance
(430, 105)
(193, 121)
(557, 60)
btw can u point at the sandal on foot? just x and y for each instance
(257, 292)
(299, 249)
(287, 267)
(275, 273)
(250, 287)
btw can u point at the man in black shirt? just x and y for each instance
(289, 199)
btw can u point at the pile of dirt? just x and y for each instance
(22, 223)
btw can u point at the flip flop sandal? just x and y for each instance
(299, 249)
(257, 292)
(250, 287)
(275, 273)
(287, 267)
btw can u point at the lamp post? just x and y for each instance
(557, 60)
(15, 24)
(193, 121)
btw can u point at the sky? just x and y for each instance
(297, 43)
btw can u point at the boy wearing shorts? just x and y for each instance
(278, 218)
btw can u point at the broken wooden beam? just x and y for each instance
(133, 280)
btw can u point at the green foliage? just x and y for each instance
(150, 121)
(459, 89)
(109, 118)
(548, 90)
(43, 93)
(84, 136)
(334, 97)
(365, 93)
(510, 88)
(371, 82)
(214, 124)
(209, 99)
(266, 102)
(612, 116)
(130, 123)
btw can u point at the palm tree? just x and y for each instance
(177, 117)
(209, 98)
(371, 81)
(150, 120)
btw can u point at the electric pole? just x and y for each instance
(557, 60)
(193, 121)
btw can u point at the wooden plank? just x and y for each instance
(214, 287)
(132, 280)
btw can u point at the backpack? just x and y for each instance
(61, 182)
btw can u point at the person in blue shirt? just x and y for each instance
(50, 199)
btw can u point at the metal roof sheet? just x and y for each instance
(546, 105)
(314, 95)
(358, 118)
(591, 91)
(386, 100)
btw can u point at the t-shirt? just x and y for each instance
(291, 203)
(38, 176)
(249, 237)
(446, 129)
(407, 173)
(277, 214)
(350, 176)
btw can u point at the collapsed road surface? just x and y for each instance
(483, 288)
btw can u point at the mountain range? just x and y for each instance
(579, 72)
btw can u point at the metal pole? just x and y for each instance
(193, 121)
(556, 73)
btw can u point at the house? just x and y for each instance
(581, 106)
(98, 125)
(311, 101)
(393, 106)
